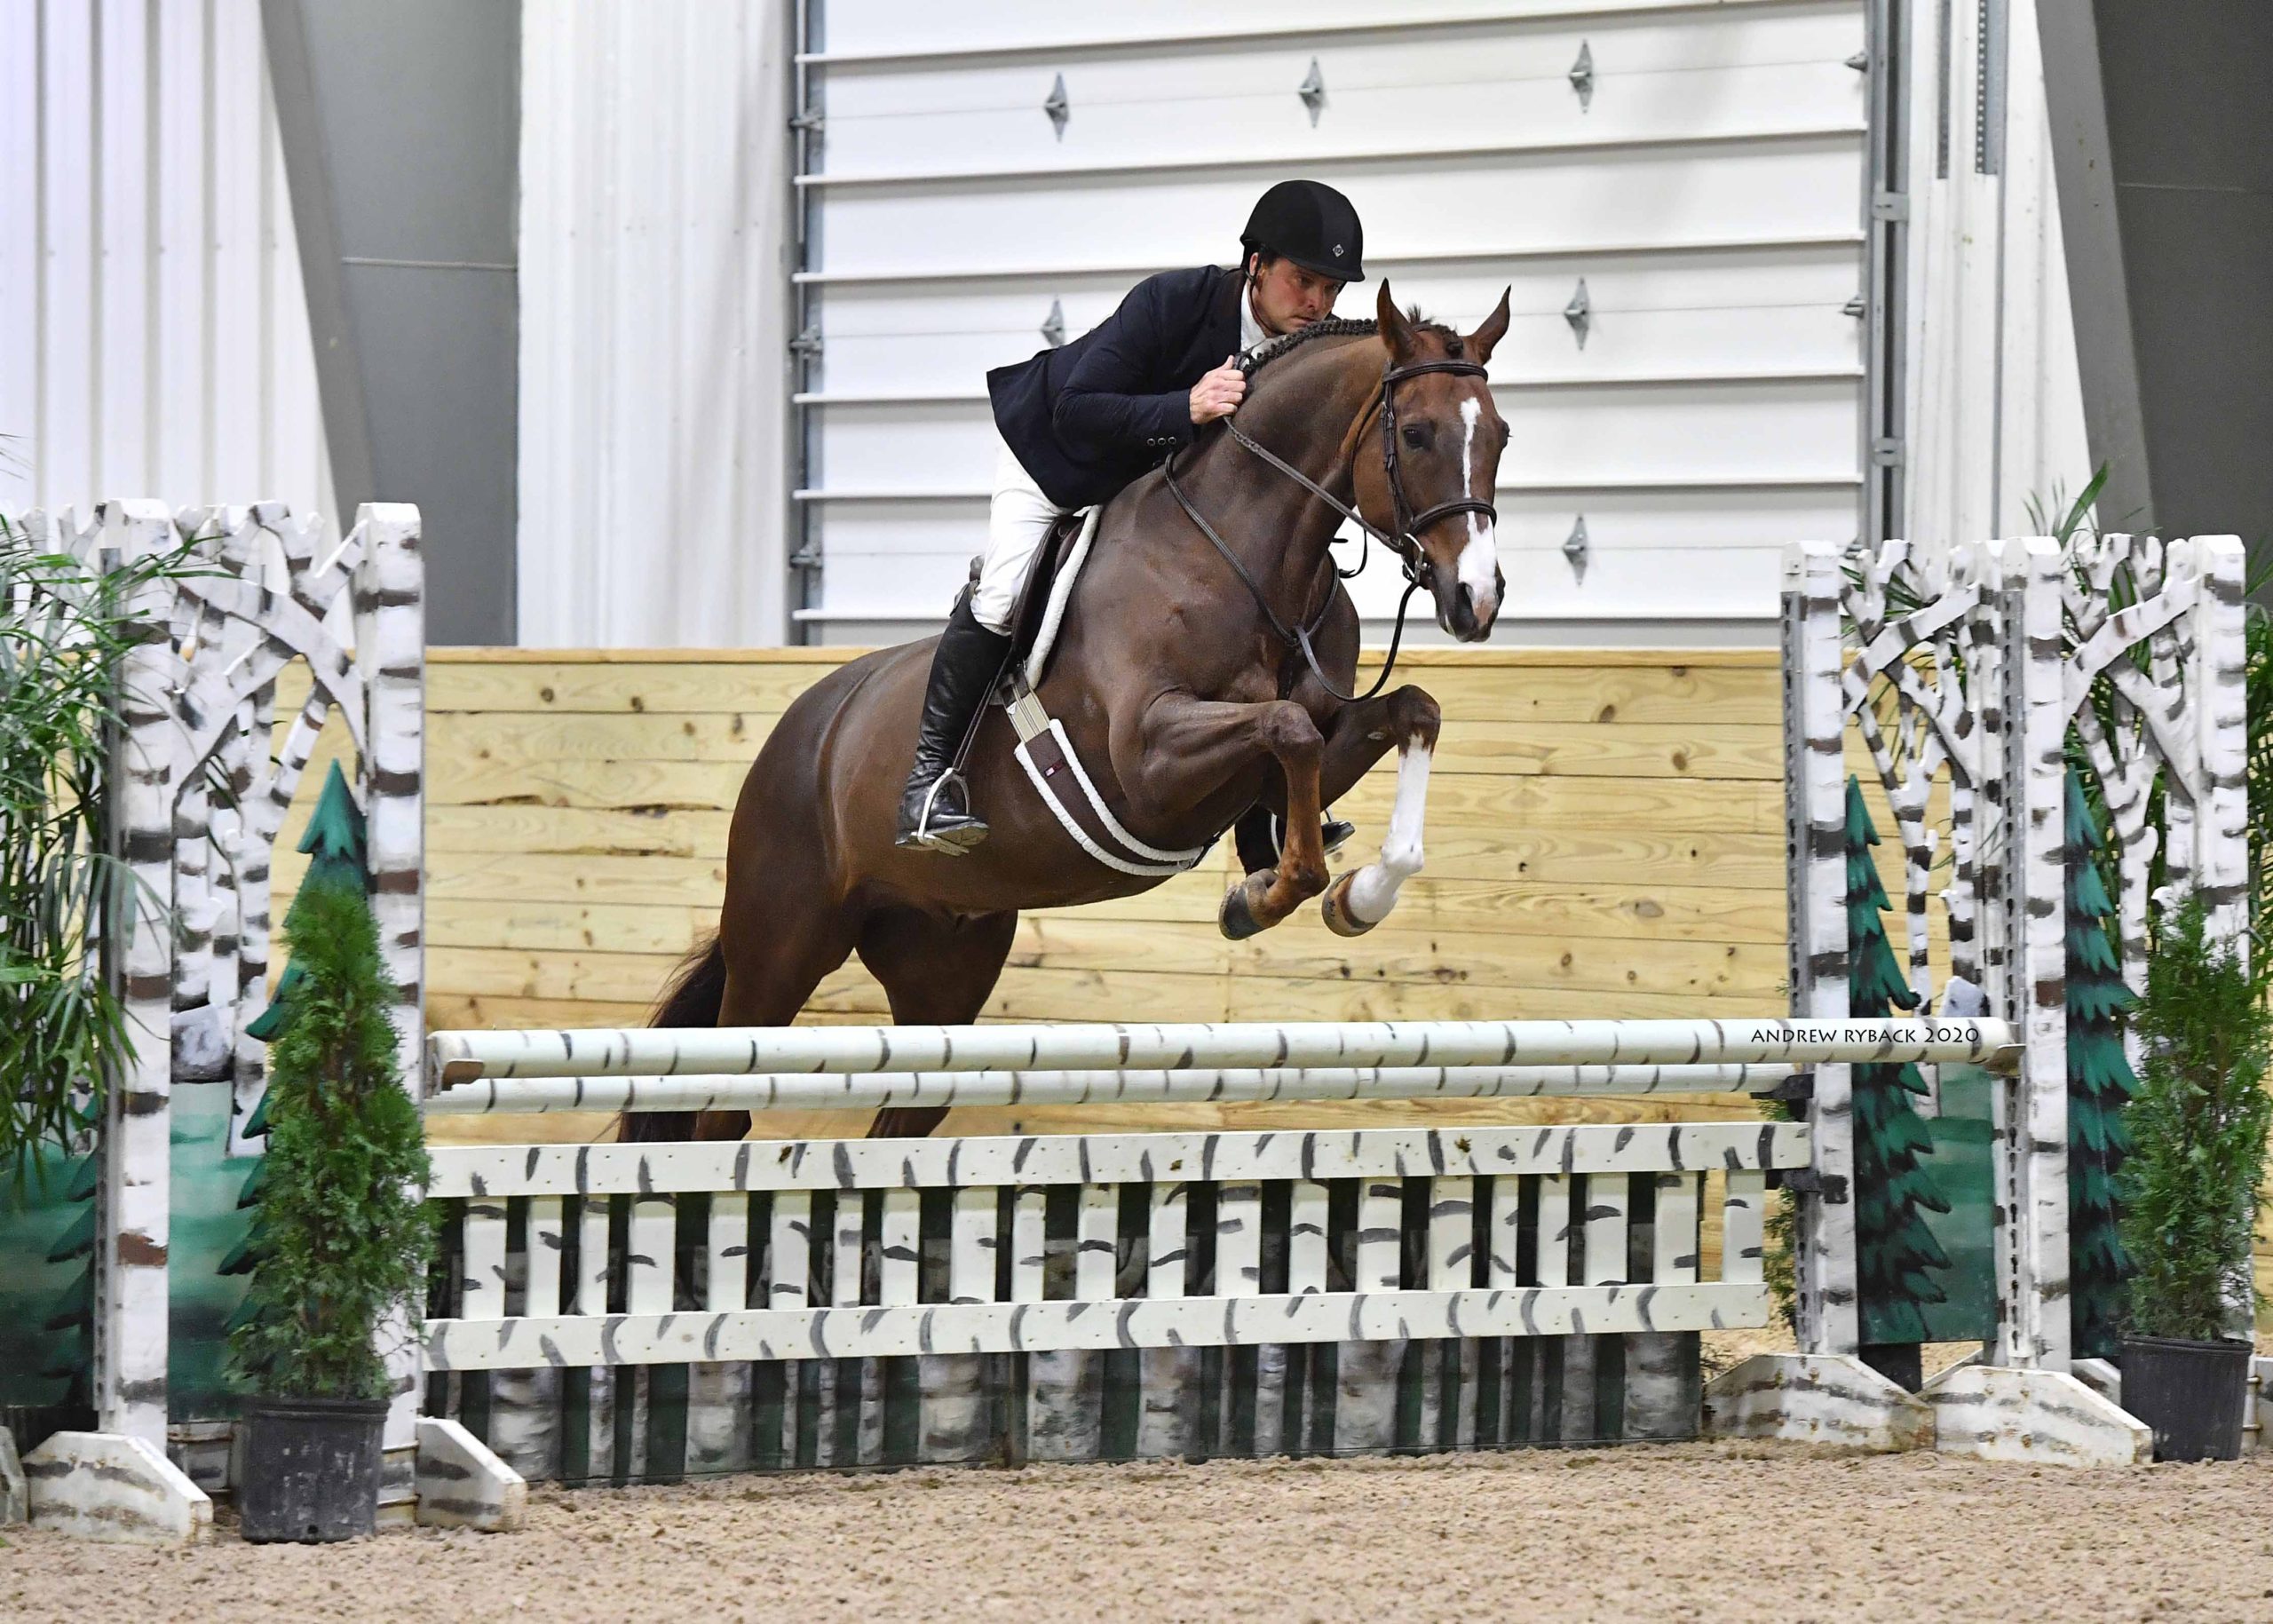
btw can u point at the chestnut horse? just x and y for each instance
(1204, 666)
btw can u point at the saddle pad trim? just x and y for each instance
(1133, 857)
(1061, 592)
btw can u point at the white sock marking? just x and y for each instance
(1479, 560)
(1373, 890)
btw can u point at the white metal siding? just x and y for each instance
(154, 336)
(1710, 194)
(653, 185)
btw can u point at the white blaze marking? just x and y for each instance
(1479, 560)
(1372, 889)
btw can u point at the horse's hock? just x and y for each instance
(1072, 1289)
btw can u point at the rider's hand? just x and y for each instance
(1219, 393)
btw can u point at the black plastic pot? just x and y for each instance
(2192, 1393)
(311, 1469)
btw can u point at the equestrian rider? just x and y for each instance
(1078, 422)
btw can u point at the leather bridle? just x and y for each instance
(1403, 540)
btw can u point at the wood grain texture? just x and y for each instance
(1605, 841)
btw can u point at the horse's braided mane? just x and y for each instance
(1330, 326)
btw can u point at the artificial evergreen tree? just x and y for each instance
(1896, 1255)
(71, 1316)
(2100, 1085)
(334, 847)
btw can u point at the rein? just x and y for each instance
(1403, 542)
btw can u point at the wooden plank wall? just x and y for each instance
(1604, 839)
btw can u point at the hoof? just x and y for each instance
(1236, 918)
(1334, 908)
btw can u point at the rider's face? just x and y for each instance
(1286, 296)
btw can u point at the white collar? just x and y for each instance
(1251, 333)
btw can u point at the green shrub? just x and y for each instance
(345, 1238)
(2198, 1124)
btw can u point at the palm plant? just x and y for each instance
(63, 625)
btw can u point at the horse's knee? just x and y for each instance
(1288, 732)
(1414, 717)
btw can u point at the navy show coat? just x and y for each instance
(1088, 416)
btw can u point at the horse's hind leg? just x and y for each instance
(773, 962)
(1357, 738)
(938, 969)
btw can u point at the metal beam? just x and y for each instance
(2098, 291)
(315, 223)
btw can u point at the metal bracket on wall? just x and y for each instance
(810, 120)
(1312, 91)
(1574, 547)
(806, 343)
(1582, 76)
(1054, 329)
(1856, 306)
(1860, 62)
(1890, 206)
(1579, 312)
(1058, 108)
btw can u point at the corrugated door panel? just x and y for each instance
(1707, 191)
(1669, 316)
(1650, 197)
(895, 27)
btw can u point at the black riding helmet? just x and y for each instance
(1310, 223)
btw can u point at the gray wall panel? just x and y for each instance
(401, 126)
(2175, 114)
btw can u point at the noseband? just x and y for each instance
(1403, 541)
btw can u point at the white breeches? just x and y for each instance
(1018, 519)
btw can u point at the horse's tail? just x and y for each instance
(691, 998)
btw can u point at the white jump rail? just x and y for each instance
(462, 1056)
(876, 1090)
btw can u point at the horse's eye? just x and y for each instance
(1415, 436)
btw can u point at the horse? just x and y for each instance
(1205, 665)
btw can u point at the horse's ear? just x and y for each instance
(1495, 328)
(1396, 332)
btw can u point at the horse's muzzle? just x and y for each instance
(1465, 611)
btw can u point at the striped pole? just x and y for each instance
(459, 1057)
(875, 1090)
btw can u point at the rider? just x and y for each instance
(1078, 422)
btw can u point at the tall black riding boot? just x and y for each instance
(935, 809)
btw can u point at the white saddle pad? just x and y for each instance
(1061, 592)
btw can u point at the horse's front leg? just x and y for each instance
(1192, 747)
(1357, 737)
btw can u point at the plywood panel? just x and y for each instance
(1685, 694)
(1610, 845)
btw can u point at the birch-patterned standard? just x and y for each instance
(1973, 667)
(871, 1302)
(203, 781)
